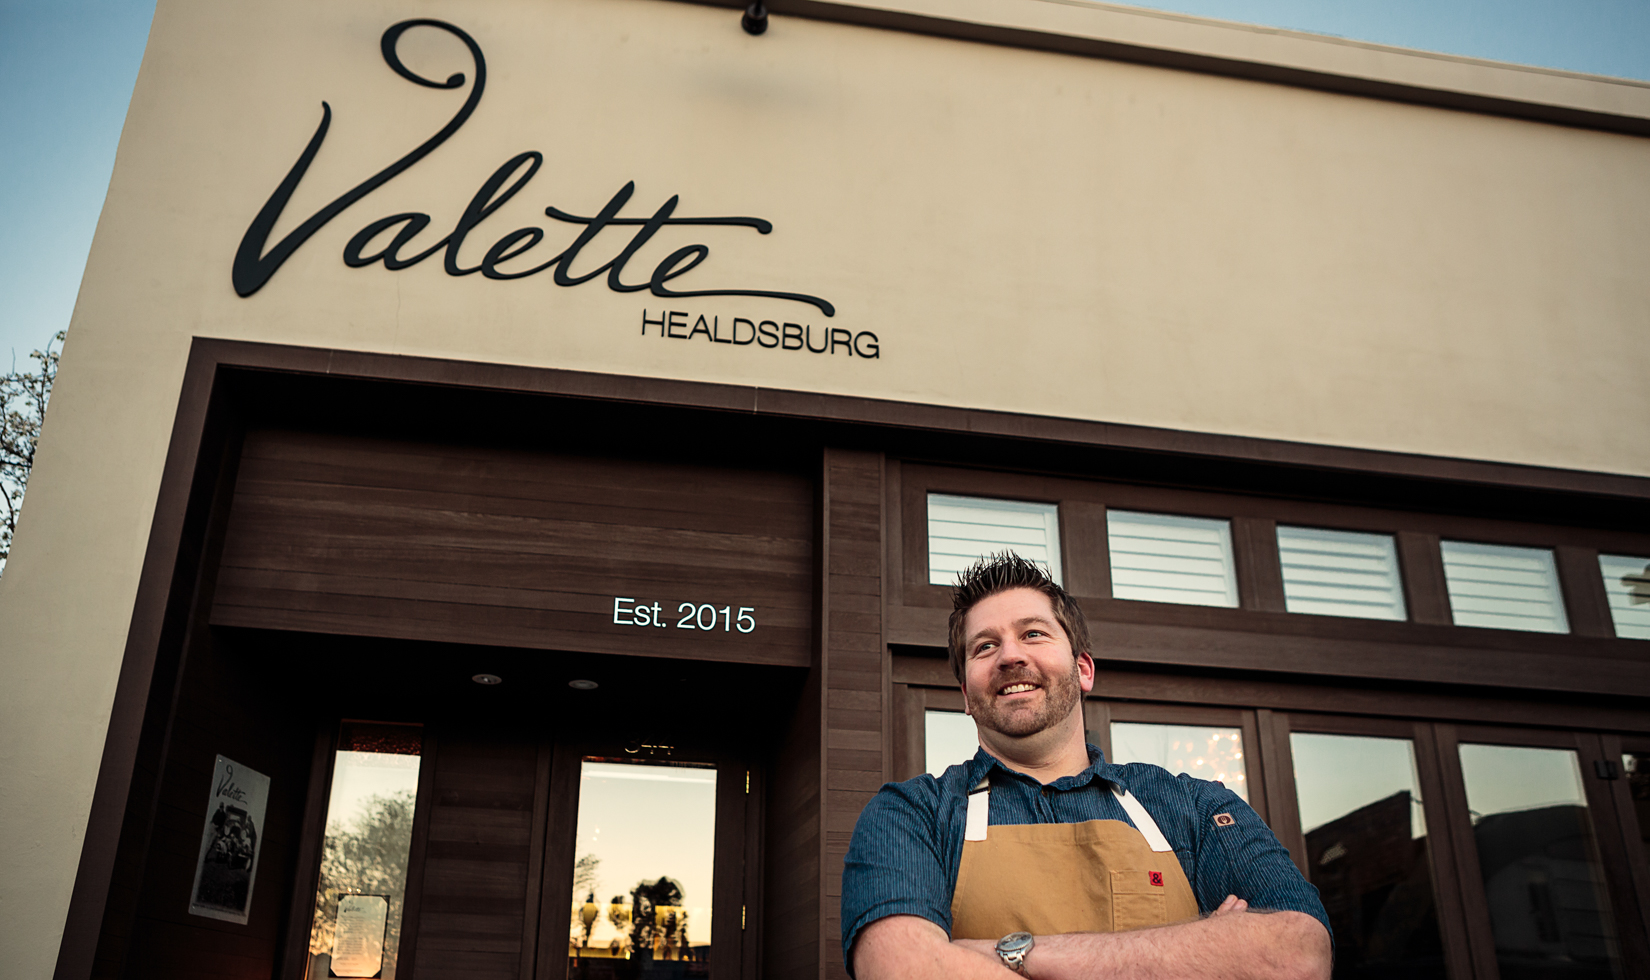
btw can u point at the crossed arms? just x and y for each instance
(1231, 943)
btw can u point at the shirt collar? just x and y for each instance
(985, 765)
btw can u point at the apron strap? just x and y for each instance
(979, 812)
(1143, 821)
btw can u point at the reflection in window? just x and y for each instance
(356, 929)
(1542, 876)
(642, 878)
(949, 739)
(1366, 850)
(1198, 750)
(1627, 583)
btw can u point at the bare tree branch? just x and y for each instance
(23, 398)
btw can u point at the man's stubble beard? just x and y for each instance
(1060, 696)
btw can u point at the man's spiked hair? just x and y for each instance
(999, 573)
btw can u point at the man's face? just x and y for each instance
(1019, 676)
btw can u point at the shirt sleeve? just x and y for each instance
(894, 864)
(1239, 855)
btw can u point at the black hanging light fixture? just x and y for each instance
(755, 20)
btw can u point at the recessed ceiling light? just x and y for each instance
(582, 685)
(487, 680)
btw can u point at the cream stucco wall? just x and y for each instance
(1022, 230)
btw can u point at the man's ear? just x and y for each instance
(1085, 672)
(964, 689)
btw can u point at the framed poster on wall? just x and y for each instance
(227, 865)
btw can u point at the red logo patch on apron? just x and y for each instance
(1155, 877)
(1224, 820)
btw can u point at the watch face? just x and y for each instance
(1014, 942)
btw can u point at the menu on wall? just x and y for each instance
(227, 864)
(358, 941)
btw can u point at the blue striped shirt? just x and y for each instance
(908, 843)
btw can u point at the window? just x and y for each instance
(1504, 587)
(962, 530)
(949, 738)
(1627, 581)
(356, 928)
(1163, 558)
(643, 872)
(1340, 573)
(1366, 852)
(1204, 751)
(1543, 878)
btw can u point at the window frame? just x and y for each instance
(1627, 899)
(1269, 711)
(1426, 647)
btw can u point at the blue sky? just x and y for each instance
(67, 68)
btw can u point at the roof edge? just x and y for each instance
(1259, 53)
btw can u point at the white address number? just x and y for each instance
(688, 615)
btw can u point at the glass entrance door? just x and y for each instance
(478, 848)
(644, 872)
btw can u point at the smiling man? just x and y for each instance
(1038, 857)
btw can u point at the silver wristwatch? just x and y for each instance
(1013, 949)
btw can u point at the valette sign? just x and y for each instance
(392, 240)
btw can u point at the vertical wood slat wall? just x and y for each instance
(855, 670)
(473, 921)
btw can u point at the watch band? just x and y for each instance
(1012, 950)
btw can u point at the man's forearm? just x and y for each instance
(1232, 944)
(908, 947)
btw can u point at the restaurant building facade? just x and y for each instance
(496, 507)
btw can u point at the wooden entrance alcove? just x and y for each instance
(350, 537)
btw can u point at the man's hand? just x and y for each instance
(1226, 945)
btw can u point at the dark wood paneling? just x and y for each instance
(218, 711)
(1259, 569)
(176, 553)
(1346, 512)
(560, 838)
(792, 899)
(370, 537)
(1278, 781)
(417, 851)
(1612, 839)
(1422, 566)
(301, 908)
(1083, 548)
(1325, 646)
(1097, 724)
(1238, 691)
(1475, 910)
(1585, 602)
(478, 859)
(906, 719)
(856, 669)
(1442, 848)
(1619, 793)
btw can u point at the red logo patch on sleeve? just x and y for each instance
(1224, 820)
(1155, 877)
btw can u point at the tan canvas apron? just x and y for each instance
(1045, 879)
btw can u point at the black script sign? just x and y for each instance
(254, 265)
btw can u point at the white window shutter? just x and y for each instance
(962, 530)
(1166, 558)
